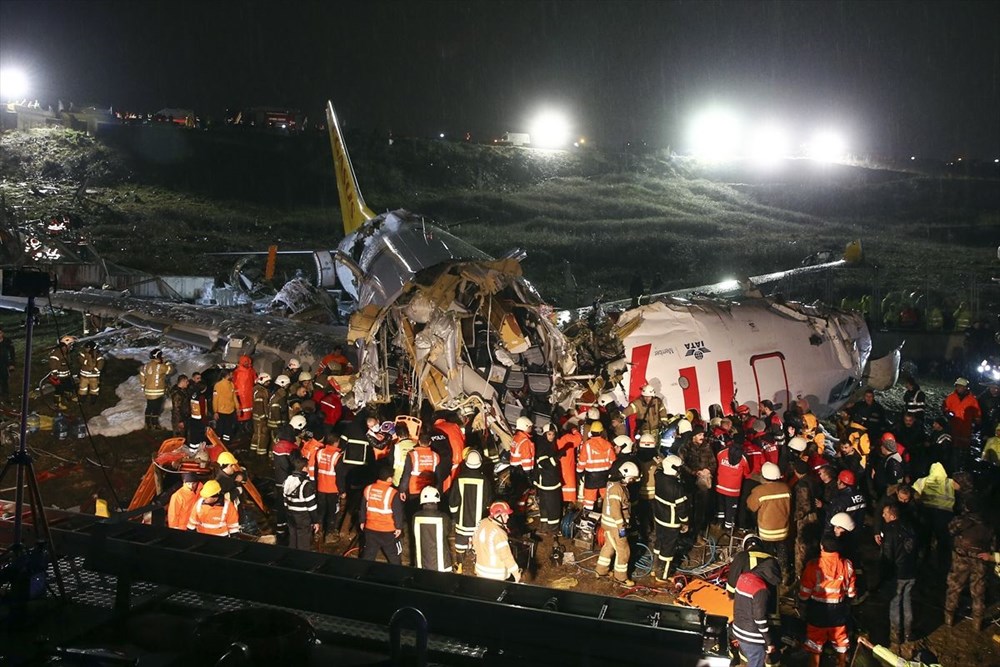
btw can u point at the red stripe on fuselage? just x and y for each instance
(637, 377)
(725, 384)
(692, 397)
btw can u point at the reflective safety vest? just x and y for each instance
(936, 492)
(399, 453)
(153, 378)
(522, 452)
(424, 463)
(615, 514)
(494, 559)
(220, 519)
(310, 447)
(197, 406)
(179, 510)
(327, 459)
(431, 542)
(355, 451)
(828, 580)
(378, 500)
(596, 455)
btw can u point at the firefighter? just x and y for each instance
(649, 410)
(747, 559)
(182, 502)
(431, 528)
(828, 584)
(471, 496)
(615, 517)
(292, 370)
(299, 493)
(597, 455)
(225, 404)
(153, 380)
(522, 450)
(60, 375)
(670, 515)
(382, 519)
(327, 466)
(494, 559)
(277, 409)
(566, 446)
(648, 463)
(548, 480)
(197, 409)
(245, 381)
(180, 405)
(335, 363)
(90, 363)
(284, 447)
(772, 502)
(213, 514)
(260, 442)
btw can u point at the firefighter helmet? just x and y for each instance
(500, 508)
(847, 477)
(671, 465)
(648, 391)
(629, 471)
(597, 427)
(226, 459)
(647, 440)
(593, 414)
(263, 378)
(298, 422)
(547, 427)
(524, 424)
(305, 375)
(623, 443)
(683, 426)
(474, 460)
(842, 520)
(282, 380)
(770, 471)
(293, 364)
(211, 488)
(797, 444)
(67, 340)
(429, 495)
(606, 399)
(155, 353)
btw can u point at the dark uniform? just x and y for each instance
(300, 500)
(670, 513)
(971, 536)
(197, 409)
(431, 529)
(59, 374)
(471, 496)
(548, 484)
(260, 442)
(277, 411)
(180, 409)
(806, 519)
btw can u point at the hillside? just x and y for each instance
(160, 198)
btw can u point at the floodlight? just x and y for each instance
(550, 130)
(13, 85)
(827, 147)
(768, 144)
(715, 135)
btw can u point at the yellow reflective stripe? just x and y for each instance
(775, 496)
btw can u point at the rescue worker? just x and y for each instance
(941, 442)
(522, 449)
(401, 451)
(914, 400)
(284, 447)
(649, 410)
(756, 594)
(260, 441)
(548, 480)
(197, 409)
(225, 404)
(299, 493)
(964, 414)
(891, 470)
(805, 503)
(733, 468)
(382, 519)
(869, 413)
(60, 376)
(277, 409)
(494, 559)
(335, 363)
(615, 517)
(327, 467)
(212, 513)
(448, 422)
(295, 393)
(245, 381)
(423, 467)
(936, 495)
(431, 529)
(8, 357)
(180, 405)
(772, 502)
(471, 496)
(566, 446)
(153, 380)
(670, 515)
(848, 498)
(596, 457)
(330, 404)
(746, 559)
(649, 463)
(971, 536)
(828, 584)
(292, 370)
(182, 502)
(90, 363)
(699, 468)
(230, 477)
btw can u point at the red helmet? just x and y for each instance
(888, 437)
(742, 409)
(847, 477)
(500, 508)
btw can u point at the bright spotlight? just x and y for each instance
(550, 130)
(715, 135)
(768, 144)
(13, 85)
(827, 147)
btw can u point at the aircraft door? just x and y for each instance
(770, 377)
(326, 269)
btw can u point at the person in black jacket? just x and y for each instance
(300, 501)
(751, 611)
(431, 530)
(470, 499)
(548, 480)
(899, 560)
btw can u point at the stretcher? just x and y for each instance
(706, 596)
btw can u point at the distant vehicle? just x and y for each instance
(515, 139)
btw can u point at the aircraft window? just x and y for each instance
(683, 382)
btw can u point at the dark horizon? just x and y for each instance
(896, 78)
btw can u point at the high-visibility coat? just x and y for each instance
(220, 519)
(567, 444)
(827, 584)
(616, 511)
(649, 415)
(671, 507)
(198, 404)
(261, 397)
(456, 438)
(420, 470)
(277, 409)
(469, 500)
(400, 452)
(325, 464)
(382, 507)
(596, 455)
(494, 559)
(730, 477)
(310, 447)
(430, 540)
(522, 452)
(244, 379)
(90, 362)
(153, 377)
(966, 412)
(59, 364)
(936, 490)
(179, 510)
(772, 501)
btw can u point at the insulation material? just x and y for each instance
(506, 325)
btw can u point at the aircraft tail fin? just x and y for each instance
(352, 205)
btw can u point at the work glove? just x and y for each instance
(621, 532)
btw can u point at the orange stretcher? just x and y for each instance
(172, 455)
(706, 596)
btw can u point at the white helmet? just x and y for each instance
(429, 495)
(524, 424)
(294, 364)
(305, 375)
(547, 427)
(770, 471)
(629, 471)
(298, 422)
(263, 378)
(797, 444)
(683, 426)
(842, 520)
(648, 391)
(593, 414)
(606, 399)
(671, 464)
(474, 459)
(67, 340)
(647, 440)
(282, 380)
(623, 443)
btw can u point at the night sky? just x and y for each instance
(897, 78)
